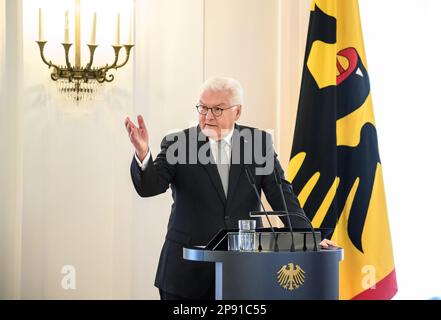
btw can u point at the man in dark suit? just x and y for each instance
(204, 167)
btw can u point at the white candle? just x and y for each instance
(40, 24)
(117, 34)
(130, 29)
(66, 27)
(77, 34)
(93, 36)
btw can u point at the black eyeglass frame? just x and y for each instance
(216, 111)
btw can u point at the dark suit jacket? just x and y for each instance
(200, 208)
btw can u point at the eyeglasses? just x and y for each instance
(216, 111)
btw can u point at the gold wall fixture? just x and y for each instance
(76, 81)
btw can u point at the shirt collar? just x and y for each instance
(227, 138)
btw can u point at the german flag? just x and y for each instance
(335, 167)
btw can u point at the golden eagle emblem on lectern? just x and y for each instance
(291, 277)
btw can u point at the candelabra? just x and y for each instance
(78, 81)
(76, 76)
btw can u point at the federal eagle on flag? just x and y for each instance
(335, 166)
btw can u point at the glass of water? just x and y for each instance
(247, 235)
(233, 241)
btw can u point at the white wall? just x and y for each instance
(402, 47)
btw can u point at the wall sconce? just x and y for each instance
(77, 81)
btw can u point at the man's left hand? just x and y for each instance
(327, 243)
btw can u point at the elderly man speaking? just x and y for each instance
(205, 168)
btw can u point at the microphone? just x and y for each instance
(301, 214)
(279, 183)
(298, 213)
(253, 185)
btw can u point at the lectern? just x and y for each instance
(268, 274)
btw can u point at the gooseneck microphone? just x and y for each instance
(279, 183)
(253, 185)
(301, 214)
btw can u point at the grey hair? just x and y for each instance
(224, 84)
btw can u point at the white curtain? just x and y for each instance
(10, 168)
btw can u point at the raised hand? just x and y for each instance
(139, 137)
